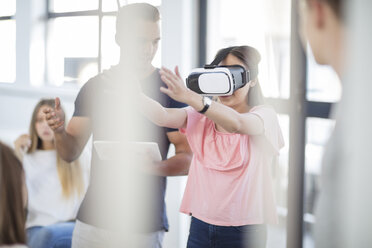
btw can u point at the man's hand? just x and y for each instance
(55, 117)
(179, 164)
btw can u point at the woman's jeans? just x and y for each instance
(54, 236)
(204, 235)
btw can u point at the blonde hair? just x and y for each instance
(70, 174)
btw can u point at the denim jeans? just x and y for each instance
(204, 235)
(53, 236)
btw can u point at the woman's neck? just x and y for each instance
(242, 108)
(47, 145)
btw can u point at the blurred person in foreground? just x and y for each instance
(13, 198)
(323, 25)
(106, 108)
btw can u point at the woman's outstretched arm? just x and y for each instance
(164, 117)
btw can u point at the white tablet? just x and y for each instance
(115, 150)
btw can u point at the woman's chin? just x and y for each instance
(47, 138)
(226, 100)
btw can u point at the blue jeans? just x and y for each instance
(54, 236)
(204, 235)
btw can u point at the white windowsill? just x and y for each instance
(17, 90)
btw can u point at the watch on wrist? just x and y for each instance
(206, 102)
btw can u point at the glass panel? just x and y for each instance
(7, 7)
(277, 233)
(264, 25)
(8, 51)
(110, 50)
(157, 59)
(323, 84)
(110, 5)
(317, 136)
(72, 49)
(72, 5)
(152, 2)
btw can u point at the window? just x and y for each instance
(81, 39)
(72, 49)
(317, 136)
(323, 84)
(264, 25)
(60, 6)
(8, 41)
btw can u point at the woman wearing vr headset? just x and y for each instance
(235, 140)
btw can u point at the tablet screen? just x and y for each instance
(115, 150)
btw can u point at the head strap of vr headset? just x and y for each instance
(251, 73)
(221, 56)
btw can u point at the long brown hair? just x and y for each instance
(12, 210)
(250, 57)
(70, 174)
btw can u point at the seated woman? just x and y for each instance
(13, 196)
(55, 187)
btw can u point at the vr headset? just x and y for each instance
(215, 80)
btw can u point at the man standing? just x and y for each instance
(98, 111)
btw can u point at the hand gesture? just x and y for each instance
(55, 117)
(176, 87)
(22, 143)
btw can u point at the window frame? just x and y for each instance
(298, 108)
(7, 18)
(97, 13)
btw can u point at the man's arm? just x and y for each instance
(69, 142)
(179, 164)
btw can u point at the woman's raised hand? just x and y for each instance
(176, 88)
(22, 143)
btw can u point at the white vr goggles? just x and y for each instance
(214, 80)
(217, 80)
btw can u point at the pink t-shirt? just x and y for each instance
(229, 182)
